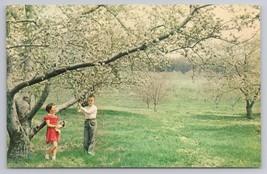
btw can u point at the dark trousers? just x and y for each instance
(90, 127)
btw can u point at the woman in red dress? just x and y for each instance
(52, 136)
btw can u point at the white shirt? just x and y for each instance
(89, 112)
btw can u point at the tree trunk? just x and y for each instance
(155, 107)
(19, 142)
(147, 103)
(249, 109)
(19, 118)
(19, 146)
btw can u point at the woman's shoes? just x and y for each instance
(47, 156)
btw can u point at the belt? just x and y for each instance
(90, 119)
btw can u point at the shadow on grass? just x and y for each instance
(239, 117)
(105, 112)
(100, 113)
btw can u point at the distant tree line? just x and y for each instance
(182, 65)
(176, 64)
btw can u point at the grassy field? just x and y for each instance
(188, 130)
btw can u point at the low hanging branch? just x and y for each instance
(39, 103)
(61, 107)
(37, 128)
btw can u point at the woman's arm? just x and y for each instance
(50, 125)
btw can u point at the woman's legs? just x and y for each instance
(53, 150)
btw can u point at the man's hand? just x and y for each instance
(80, 106)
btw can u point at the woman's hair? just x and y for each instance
(49, 106)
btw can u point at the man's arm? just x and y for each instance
(87, 110)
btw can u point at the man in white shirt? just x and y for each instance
(90, 124)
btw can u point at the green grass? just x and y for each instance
(127, 139)
(182, 133)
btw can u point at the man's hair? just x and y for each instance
(91, 95)
(49, 106)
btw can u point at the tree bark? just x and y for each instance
(19, 144)
(19, 119)
(249, 109)
(155, 107)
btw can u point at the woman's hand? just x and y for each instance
(59, 126)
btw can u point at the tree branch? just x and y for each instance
(141, 47)
(92, 10)
(48, 75)
(39, 103)
(25, 45)
(22, 21)
(123, 26)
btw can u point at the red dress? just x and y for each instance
(51, 133)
